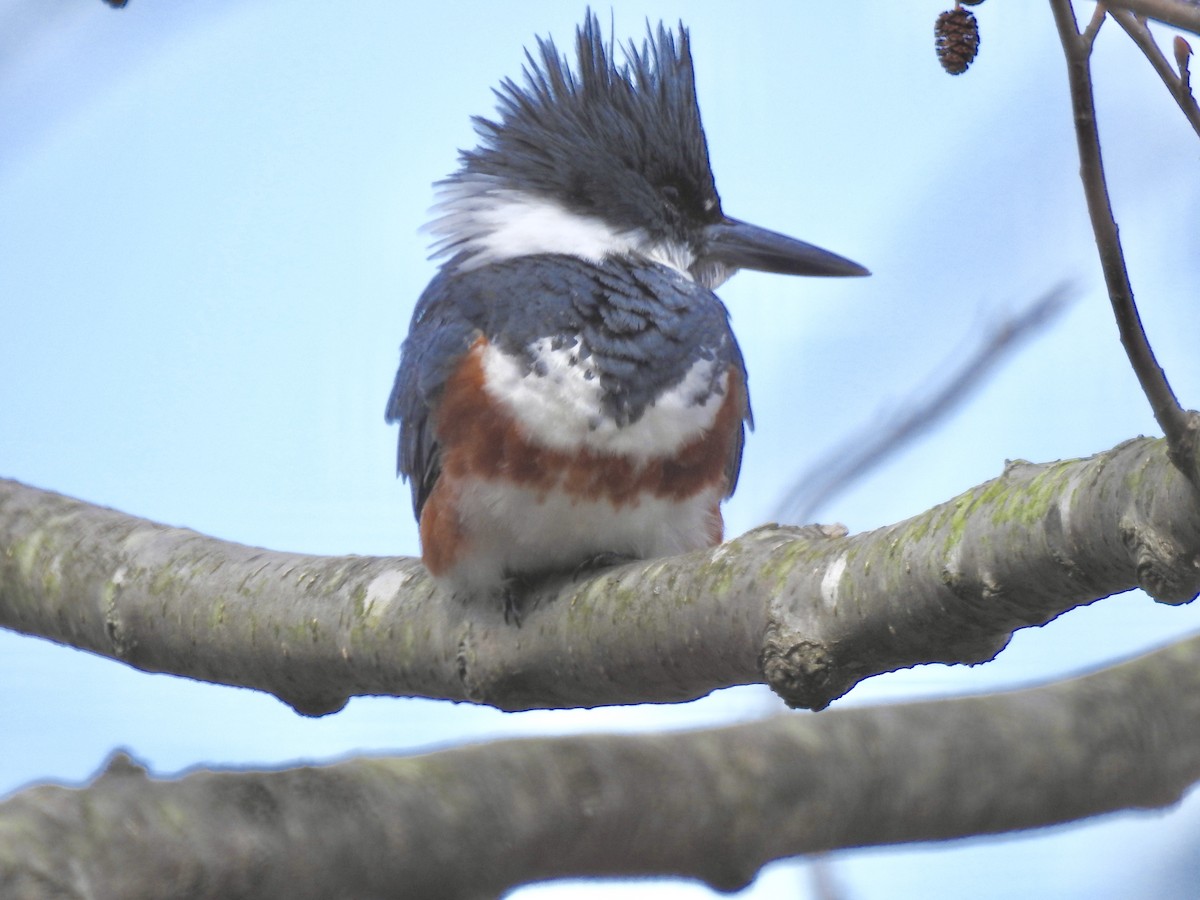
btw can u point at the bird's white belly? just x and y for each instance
(515, 529)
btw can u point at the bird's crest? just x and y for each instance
(617, 145)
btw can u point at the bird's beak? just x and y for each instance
(740, 245)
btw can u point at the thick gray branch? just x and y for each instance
(714, 805)
(808, 611)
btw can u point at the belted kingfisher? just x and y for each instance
(570, 389)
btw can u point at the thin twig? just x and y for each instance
(1183, 14)
(1177, 425)
(1175, 82)
(861, 452)
(1088, 36)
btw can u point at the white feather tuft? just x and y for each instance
(562, 409)
(492, 223)
(514, 529)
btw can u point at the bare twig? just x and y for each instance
(1178, 83)
(1184, 14)
(1179, 427)
(866, 449)
(1088, 36)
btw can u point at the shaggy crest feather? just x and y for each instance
(606, 142)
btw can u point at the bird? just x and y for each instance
(570, 393)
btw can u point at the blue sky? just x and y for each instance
(209, 252)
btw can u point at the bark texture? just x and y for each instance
(809, 610)
(714, 805)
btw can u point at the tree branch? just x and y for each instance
(1182, 14)
(474, 821)
(807, 610)
(1181, 428)
(863, 451)
(1178, 83)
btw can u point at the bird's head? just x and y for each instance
(603, 160)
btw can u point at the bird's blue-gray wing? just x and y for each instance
(443, 326)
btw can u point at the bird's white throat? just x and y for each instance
(489, 223)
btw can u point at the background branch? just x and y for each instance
(1177, 83)
(1183, 14)
(865, 450)
(475, 821)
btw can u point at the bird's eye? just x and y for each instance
(579, 192)
(672, 202)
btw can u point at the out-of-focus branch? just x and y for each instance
(714, 805)
(868, 448)
(1178, 83)
(1181, 428)
(806, 610)
(1183, 14)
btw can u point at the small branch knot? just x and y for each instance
(314, 705)
(120, 764)
(800, 670)
(1166, 571)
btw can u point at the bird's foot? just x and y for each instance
(513, 594)
(603, 560)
